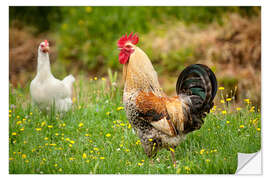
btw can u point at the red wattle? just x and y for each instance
(123, 57)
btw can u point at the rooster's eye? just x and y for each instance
(128, 46)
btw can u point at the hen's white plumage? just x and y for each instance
(47, 91)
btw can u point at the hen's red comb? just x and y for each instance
(46, 43)
(134, 39)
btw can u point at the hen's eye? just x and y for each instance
(128, 46)
(42, 45)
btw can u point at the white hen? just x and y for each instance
(47, 91)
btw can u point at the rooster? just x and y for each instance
(47, 91)
(161, 121)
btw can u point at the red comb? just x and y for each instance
(134, 39)
(46, 43)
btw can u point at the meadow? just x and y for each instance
(95, 136)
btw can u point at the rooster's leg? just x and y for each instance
(173, 159)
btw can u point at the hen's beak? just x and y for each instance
(46, 49)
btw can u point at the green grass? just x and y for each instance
(95, 137)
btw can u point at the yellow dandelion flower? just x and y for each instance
(222, 101)
(71, 158)
(207, 160)
(107, 113)
(44, 159)
(53, 144)
(138, 142)
(18, 117)
(11, 158)
(202, 151)
(171, 149)
(221, 88)
(150, 140)
(88, 9)
(72, 142)
(127, 150)
(84, 156)
(19, 122)
(81, 125)
(228, 99)
(23, 156)
(46, 138)
(252, 109)
(129, 126)
(9, 111)
(238, 109)
(247, 101)
(38, 129)
(224, 112)
(31, 113)
(43, 123)
(242, 126)
(108, 135)
(102, 158)
(103, 79)
(228, 122)
(122, 124)
(258, 129)
(56, 134)
(142, 160)
(50, 126)
(55, 165)
(187, 168)
(70, 145)
(63, 124)
(140, 164)
(86, 135)
(96, 149)
(95, 78)
(120, 108)
(13, 134)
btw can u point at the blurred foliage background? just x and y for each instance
(83, 41)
